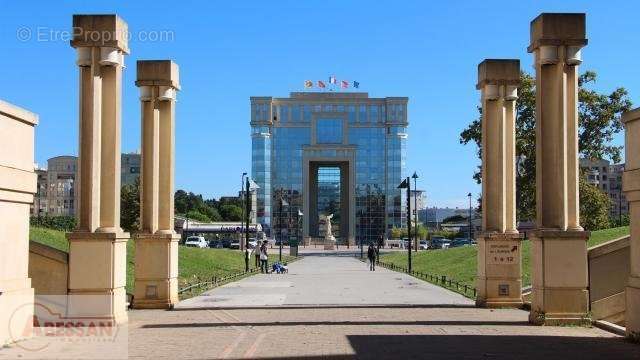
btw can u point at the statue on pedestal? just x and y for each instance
(329, 239)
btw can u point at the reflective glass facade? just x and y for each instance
(369, 132)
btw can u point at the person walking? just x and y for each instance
(264, 258)
(371, 254)
(256, 254)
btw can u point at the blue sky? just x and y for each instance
(229, 51)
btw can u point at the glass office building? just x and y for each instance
(323, 153)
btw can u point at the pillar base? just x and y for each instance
(632, 314)
(559, 293)
(98, 275)
(156, 283)
(16, 310)
(499, 280)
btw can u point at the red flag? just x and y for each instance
(344, 84)
(321, 84)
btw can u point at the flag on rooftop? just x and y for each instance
(308, 84)
(332, 80)
(321, 84)
(356, 84)
(344, 84)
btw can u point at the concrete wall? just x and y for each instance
(17, 186)
(608, 274)
(48, 269)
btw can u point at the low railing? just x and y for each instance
(201, 284)
(440, 280)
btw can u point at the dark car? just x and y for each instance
(215, 244)
(459, 242)
(226, 243)
(439, 242)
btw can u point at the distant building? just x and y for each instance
(129, 168)
(61, 177)
(419, 196)
(608, 178)
(56, 184)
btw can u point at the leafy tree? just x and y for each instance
(59, 222)
(398, 233)
(454, 219)
(231, 212)
(210, 212)
(130, 206)
(599, 116)
(197, 216)
(594, 207)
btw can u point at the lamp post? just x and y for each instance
(300, 214)
(469, 231)
(242, 204)
(415, 207)
(283, 202)
(250, 185)
(406, 184)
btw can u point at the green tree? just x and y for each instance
(454, 219)
(130, 206)
(197, 216)
(594, 207)
(422, 231)
(599, 116)
(231, 212)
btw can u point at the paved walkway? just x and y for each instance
(327, 281)
(334, 308)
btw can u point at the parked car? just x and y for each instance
(459, 242)
(235, 244)
(216, 244)
(253, 243)
(226, 243)
(196, 241)
(285, 242)
(439, 242)
(423, 245)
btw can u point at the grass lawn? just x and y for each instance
(193, 263)
(460, 263)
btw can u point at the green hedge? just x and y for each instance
(62, 223)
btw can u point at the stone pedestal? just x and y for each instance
(156, 271)
(17, 186)
(98, 276)
(499, 277)
(559, 246)
(559, 278)
(156, 284)
(97, 248)
(631, 187)
(499, 272)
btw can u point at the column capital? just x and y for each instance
(158, 73)
(495, 73)
(558, 29)
(108, 31)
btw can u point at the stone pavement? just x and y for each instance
(326, 281)
(335, 321)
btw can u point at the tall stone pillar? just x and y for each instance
(156, 283)
(499, 279)
(17, 186)
(559, 244)
(631, 187)
(97, 248)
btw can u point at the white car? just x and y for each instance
(196, 241)
(424, 245)
(253, 243)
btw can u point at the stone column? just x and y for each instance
(17, 186)
(156, 283)
(97, 248)
(559, 244)
(631, 187)
(499, 278)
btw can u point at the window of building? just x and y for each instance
(329, 131)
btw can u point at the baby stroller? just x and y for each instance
(279, 268)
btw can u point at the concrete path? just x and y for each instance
(326, 281)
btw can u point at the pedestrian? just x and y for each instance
(256, 254)
(371, 254)
(264, 258)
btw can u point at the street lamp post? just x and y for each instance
(283, 202)
(406, 184)
(469, 231)
(250, 185)
(415, 207)
(242, 203)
